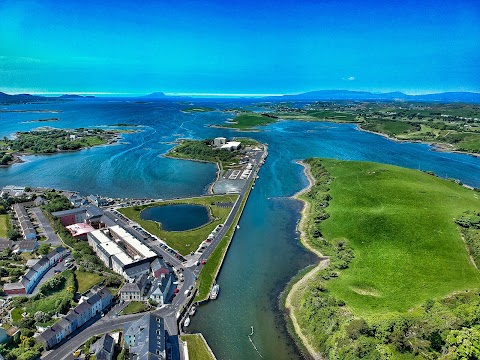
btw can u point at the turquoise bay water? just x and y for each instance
(177, 217)
(265, 253)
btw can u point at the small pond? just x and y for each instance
(179, 217)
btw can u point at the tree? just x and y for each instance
(463, 344)
(13, 234)
(44, 249)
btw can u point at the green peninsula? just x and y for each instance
(399, 282)
(49, 141)
(249, 120)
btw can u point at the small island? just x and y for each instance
(248, 120)
(49, 141)
(224, 153)
(198, 109)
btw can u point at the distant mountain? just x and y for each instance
(19, 98)
(155, 95)
(75, 96)
(389, 96)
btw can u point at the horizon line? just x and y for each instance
(205, 94)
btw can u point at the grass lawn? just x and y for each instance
(86, 280)
(184, 241)
(135, 307)
(400, 223)
(17, 314)
(4, 225)
(250, 120)
(50, 302)
(197, 350)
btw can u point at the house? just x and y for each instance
(48, 338)
(77, 200)
(97, 200)
(159, 268)
(57, 254)
(72, 318)
(160, 288)
(39, 201)
(23, 246)
(103, 348)
(14, 289)
(95, 302)
(145, 338)
(5, 244)
(28, 230)
(84, 313)
(136, 290)
(106, 297)
(76, 318)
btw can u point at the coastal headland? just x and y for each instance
(360, 215)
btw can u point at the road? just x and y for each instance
(110, 323)
(52, 238)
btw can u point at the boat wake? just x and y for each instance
(253, 344)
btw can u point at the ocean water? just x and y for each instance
(265, 253)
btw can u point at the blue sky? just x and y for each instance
(243, 47)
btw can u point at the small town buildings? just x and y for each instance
(219, 142)
(145, 338)
(159, 289)
(103, 348)
(28, 230)
(159, 268)
(135, 291)
(33, 275)
(23, 246)
(39, 201)
(89, 214)
(72, 216)
(5, 244)
(97, 200)
(77, 200)
(13, 191)
(80, 230)
(77, 317)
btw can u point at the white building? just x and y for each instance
(231, 145)
(219, 141)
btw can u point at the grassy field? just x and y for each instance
(4, 225)
(52, 300)
(86, 280)
(400, 223)
(197, 350)
(184, 241)
(135, 307)
(249, 120)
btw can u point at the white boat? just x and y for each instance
(214, 292)
(187, 321)
(192, 311)
(238, 226)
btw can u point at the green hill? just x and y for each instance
(396, 252)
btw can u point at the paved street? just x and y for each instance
(52, 238)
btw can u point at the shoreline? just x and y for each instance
(438, 147)
(299, 286)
